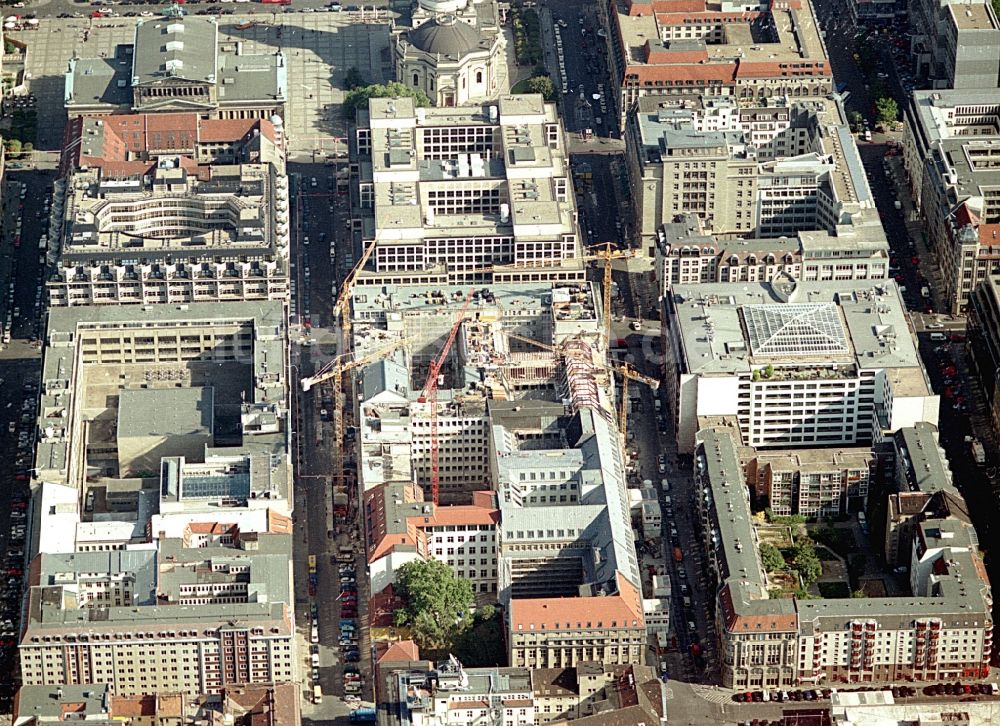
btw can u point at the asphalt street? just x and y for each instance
(20, 283)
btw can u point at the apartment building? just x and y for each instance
(955, 44)
(97, 704)
(821, 482)
(447, 693)
(687, 254)
(178, 62)
(153, 647)
(921, 487)
(401, 526)
(951, 144)
(445, 195)
(794, 364)
(394, 440)
(768, 171)
(170, 209)
(942, 631)
(658, 47)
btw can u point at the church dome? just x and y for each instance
(445, 36)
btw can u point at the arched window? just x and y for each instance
(416, 79)
(479, 76)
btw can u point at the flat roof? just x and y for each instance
(867, 317)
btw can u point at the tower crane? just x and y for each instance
(335, 369)
(629, 373)
(429, 395)
(340, 311)
(626, 371)
(607, 255)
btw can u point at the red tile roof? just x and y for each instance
(623, 610)
(402, 651)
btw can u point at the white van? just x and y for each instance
(664, 485)
(939, 336)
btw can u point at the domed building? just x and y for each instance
(453, 51)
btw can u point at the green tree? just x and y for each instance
(354, 79)
(855, 119)
(886, 111)
(358, 97)
(858, 594)
(806, 562)
(28, 147)
(770, 557)
(438, 603)
(13, 146)
(542, 85)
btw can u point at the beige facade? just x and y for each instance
(765, 172)
(467, 194)
(950, 154)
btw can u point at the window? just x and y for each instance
(479, 76)
(416, 79)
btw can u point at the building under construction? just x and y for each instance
(504, 344)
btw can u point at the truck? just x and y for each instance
(976, 447)
(312, 564)
(317, 694)
(678, 555)
(366, 714)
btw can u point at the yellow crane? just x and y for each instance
(341, 313)
(629, 373)
(626, 371)
(600, 252)
(335, 370)
(607, 255)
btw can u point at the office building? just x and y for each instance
(170, 209)
(401, 526)
(745, 51)
(160, 553)
(794, 364)
(569, 575)
(950, 146)
(448, 693)
(769, 171)
(173, 620)
(942, 631)
(469, 194)
(686, 254)
(983, 332)
(178, 63)
(955, 44)
(452, 50)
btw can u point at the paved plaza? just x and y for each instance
(320, 48)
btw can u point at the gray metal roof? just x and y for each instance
(180, 48)
(445, 36)
(165, 411)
